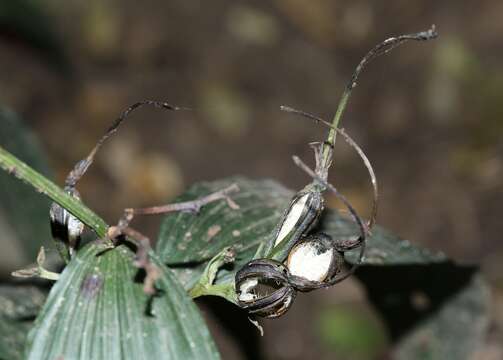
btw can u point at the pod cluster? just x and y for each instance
(293, 261)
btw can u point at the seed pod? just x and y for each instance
(313, 261)
(66, 229)
(301, 216)
(263, 288)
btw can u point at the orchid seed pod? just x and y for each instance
(263, 288)
(301, 216)
(313, 260)
(66, 229)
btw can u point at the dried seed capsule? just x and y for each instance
(301, 216)
(313, 261)
(66, 229)
(263, 289)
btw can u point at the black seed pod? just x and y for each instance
(263, 288)
(313, 261)
(301, 216)
(66, 229)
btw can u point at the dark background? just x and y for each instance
(429, 116)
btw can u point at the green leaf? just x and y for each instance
(24, 214)
(18, 307)
(98, 310)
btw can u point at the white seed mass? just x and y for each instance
(292, 218)
(245, 290)
(75, 226)
(310, 260)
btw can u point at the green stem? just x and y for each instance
(327, 153)
(48, 275)
(41, 184)
(338, 114)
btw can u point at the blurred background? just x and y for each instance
(428, 115)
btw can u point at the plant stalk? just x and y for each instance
(327, 153)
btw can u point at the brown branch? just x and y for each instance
(193, 206)
(388, 45)
(81, 167)
(142, 260)
(67, 240)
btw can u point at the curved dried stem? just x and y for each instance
(357, 148)
(81, 167)
(66, 229)
(380, 49)
(192, 206)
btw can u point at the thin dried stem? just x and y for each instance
(354, 145)
(193, 206)
(81, 167)
(66, 229)
(142, 260)
(380, 49)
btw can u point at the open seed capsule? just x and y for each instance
(313, 261)
(263, 288)
(66, 229)
(301, 216)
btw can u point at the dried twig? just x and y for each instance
(81, 167)
(380, 49)
(142, 260)
(193, 206)
(354, 145)
(66, 229)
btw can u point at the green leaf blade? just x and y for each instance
(98, 311)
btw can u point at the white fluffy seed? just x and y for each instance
(75, 226)
(292, 218)
(245, 290)
(310, 261)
